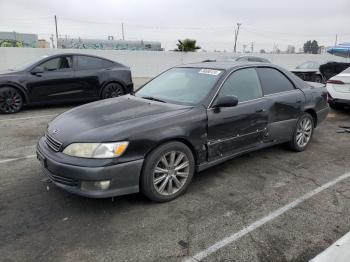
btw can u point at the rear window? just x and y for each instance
(87, 62)
(273, 81)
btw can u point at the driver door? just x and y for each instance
(56, 83)
(236, 129)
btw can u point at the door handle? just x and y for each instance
(261, 110)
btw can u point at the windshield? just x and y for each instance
(27, 63)
(309, 65)
(181, 85)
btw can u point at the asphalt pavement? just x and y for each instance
(39, 222)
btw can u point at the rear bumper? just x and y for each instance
(338, 101)
(336, 96)
(123, 177)
(130, 88)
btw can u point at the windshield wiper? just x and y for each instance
(153, 98)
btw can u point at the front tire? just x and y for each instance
(302, 134)
(112, 90)
(11, 100)
(167, 172)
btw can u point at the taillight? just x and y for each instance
(329, 97)
(337, 82)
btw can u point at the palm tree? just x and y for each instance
(187, 45)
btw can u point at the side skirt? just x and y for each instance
(207, 165)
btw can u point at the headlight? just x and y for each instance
(96, 150)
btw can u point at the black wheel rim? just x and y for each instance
(10, 100)
(113, 90)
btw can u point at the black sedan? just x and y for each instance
(185, 120)
(62, 78)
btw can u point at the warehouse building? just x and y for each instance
(109, 44)
(14, 39)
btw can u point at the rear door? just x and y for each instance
(285, 102)
(90, 73)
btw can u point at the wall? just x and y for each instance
(151, 63)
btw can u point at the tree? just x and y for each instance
(262, 51)
(187, 45)
(311, 47)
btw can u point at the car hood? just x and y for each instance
(111, 119)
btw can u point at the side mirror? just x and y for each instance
(37, 70)
(226, 101)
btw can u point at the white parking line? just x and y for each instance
(228, 240)
(15, 159)
(26, 118)
(338, 252)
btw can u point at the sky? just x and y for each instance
(266, 23)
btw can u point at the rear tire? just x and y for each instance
(11, 100)
(112, 90)
(302, 133)
(167, 172)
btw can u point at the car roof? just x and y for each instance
(78, 54)
(225, 65)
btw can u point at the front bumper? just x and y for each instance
(124, 177)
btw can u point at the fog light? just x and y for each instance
(95, 185)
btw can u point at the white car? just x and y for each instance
(338, 88)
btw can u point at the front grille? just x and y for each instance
(61, 179)
(53, 143)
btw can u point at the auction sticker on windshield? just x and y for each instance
(209, 72)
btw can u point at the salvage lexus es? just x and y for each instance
(187, 119)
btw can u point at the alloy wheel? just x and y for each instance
(304, 132)
(171, 173)
(10, 100)
(113, 90)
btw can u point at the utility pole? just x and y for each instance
(123, 31)
(56, 32)
(336, 39)
(236, 36)
(252, 47)
(52, 42)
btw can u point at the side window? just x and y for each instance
(244, 84)
(86, 63)
(273, 81)
(58, 63)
